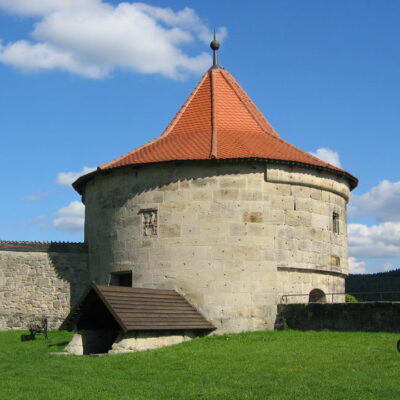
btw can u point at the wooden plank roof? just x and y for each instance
(141, 309)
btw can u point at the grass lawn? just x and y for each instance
(258, 365)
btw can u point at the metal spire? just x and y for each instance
(215, 46)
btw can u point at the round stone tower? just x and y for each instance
(222, 210)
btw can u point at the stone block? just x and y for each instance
(201, 195)
(253, 217)
(232, 182)
(251, 195)
(202, 182)
(257, 230)
(297, 218)
(173, 206)
(303, 204)
(238, 229)
(316, 194)
(184, 184)
(169, 186)
(276, 217)
(320, 221)
(282, 203)
(301, 191)
(226, 194)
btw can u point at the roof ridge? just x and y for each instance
(214, 130)
(166, 131)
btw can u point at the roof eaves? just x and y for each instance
(69, 320)
(82, 180)
(110, 308)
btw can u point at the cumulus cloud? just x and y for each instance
(38, 196)
(92, 38)
(376, 241)
(37, 220)
(356, 266)
(328, 155)
(68, 178)
(70, 218)
(382, 201)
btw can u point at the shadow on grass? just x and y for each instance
(58, 344)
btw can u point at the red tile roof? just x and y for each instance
(219, 121)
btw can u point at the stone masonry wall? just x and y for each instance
(367, 317)
(40, 279)
(230, 237)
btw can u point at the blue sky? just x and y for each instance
(83, 82)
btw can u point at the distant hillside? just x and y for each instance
(379, 282)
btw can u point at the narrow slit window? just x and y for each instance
(335, 222)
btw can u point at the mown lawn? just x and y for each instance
(259, 365)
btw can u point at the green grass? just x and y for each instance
(259, 365)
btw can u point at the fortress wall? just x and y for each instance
(230, 237)
(350, 317)
(40, 279)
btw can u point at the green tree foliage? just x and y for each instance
(382, 286)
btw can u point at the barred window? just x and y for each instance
(335, 222)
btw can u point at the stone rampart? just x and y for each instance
(40, 279)
(367, 317)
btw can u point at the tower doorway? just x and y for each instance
(317, 296)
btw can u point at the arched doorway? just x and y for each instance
(317, 296)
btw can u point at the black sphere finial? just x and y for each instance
(215, 45)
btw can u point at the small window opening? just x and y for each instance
(335, 222)
(335, 261)
(121, 278)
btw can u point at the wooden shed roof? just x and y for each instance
(140, 309)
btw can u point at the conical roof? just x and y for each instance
(219, 121)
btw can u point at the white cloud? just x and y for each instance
(37, 220)
(68, 178)
(92, 38)
(382, 201)
(70, 218)
(376, 241)
(37, 196)
(43, 7)
(356, 266)
(328, 155)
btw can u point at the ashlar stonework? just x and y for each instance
(232, 237)
(40, 280)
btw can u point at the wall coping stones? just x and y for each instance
(44, 247)
(352, 317)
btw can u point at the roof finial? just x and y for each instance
(215, 46)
